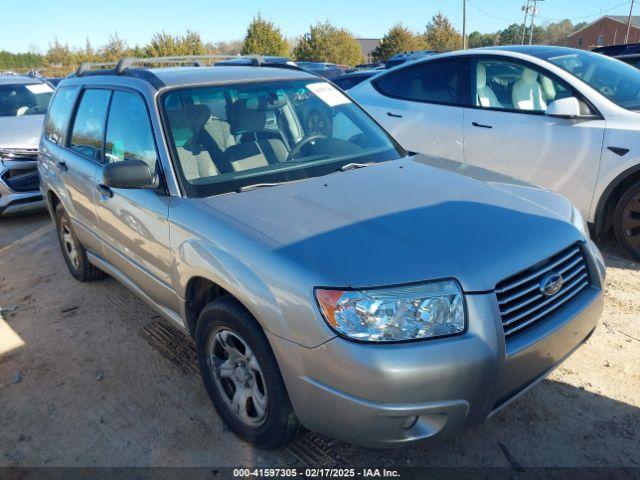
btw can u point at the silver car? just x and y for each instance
(23, 105)
(327, 278)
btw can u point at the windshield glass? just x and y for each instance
(614, 79)
(231, 136)
(24, 99)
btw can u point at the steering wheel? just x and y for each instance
(298, 146)
(35, 110)
(606, 90)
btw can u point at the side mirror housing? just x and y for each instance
(128, 174)
(564, 108)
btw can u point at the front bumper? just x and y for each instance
(371, 394)
(19, 191)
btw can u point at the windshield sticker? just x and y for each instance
(37, 88)
(328, 94)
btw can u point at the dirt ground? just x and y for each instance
(99, 380)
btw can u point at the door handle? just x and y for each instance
(105, 192)
(62, 165)
(394, 115)
(481, 125)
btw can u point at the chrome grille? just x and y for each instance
(521, 301)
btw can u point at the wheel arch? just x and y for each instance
(610, 196)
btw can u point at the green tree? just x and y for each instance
(477, 39)
(114, 49)
(163, 44)
(59, 54)
(326, 43)
(397, 40)
(264, 38)
(440, 34)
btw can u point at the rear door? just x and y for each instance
(78, 164)
(506, 129)
(419, 104)
(133, 222)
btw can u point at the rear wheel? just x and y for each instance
(241, 375)
(75, 255)
(626, 220)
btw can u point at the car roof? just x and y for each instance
(167, 77)
(19, 80)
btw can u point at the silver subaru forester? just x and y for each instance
(329, 278)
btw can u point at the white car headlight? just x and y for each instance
(578, 221)
(411, 312)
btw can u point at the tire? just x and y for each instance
(75, 255)
(266, 418)
(626, 221)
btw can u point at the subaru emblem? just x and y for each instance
(551, 284)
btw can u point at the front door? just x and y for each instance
(506, 129)
(419, 105)
(133, 222)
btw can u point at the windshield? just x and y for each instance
(614, 79)
(24, 99)
(228, 137)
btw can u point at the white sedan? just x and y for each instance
(556, 117)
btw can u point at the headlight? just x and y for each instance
(412, 312)
(578, 221)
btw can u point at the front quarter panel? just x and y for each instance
(251, 267)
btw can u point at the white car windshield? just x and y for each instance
(614, 79)
(228, 137)
(24, 99)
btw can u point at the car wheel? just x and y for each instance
(626, 220)
(73, 252)
(241, 375)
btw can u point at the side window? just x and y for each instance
(129, 134)
(432, 81)
(88, 127)
(512, 86)
(60, 114)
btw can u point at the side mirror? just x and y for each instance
(564, 108)
(128, 174)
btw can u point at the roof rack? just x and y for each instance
(119, 67)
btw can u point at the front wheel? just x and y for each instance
(241, 375)
(626, 220)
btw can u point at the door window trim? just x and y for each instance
(162, 187)
(469, 87)
(459, 102)
(74, 115)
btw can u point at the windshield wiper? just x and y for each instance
(246, 188)
(354, 165)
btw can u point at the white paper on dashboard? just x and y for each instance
(39, 88)
(328, 94)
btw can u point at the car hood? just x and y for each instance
(409, 220)
(20, 132)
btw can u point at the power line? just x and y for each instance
(510, 20)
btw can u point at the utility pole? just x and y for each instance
(626, 37)
(524, 22)
(464, 24)
(533, 17)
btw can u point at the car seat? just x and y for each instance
(186, 126)
(252, 151)
(485, 94)
(527, 93)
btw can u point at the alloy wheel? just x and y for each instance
(238, 376)
(630, 222)
(69, 243)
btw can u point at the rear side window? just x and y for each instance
(60, 114)
(88, 127)
(129, 135)
(433, 82)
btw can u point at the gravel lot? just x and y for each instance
(102, 381)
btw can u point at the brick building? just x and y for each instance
(607, 30)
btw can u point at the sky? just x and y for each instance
(31, 25)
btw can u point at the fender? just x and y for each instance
(601, 205)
